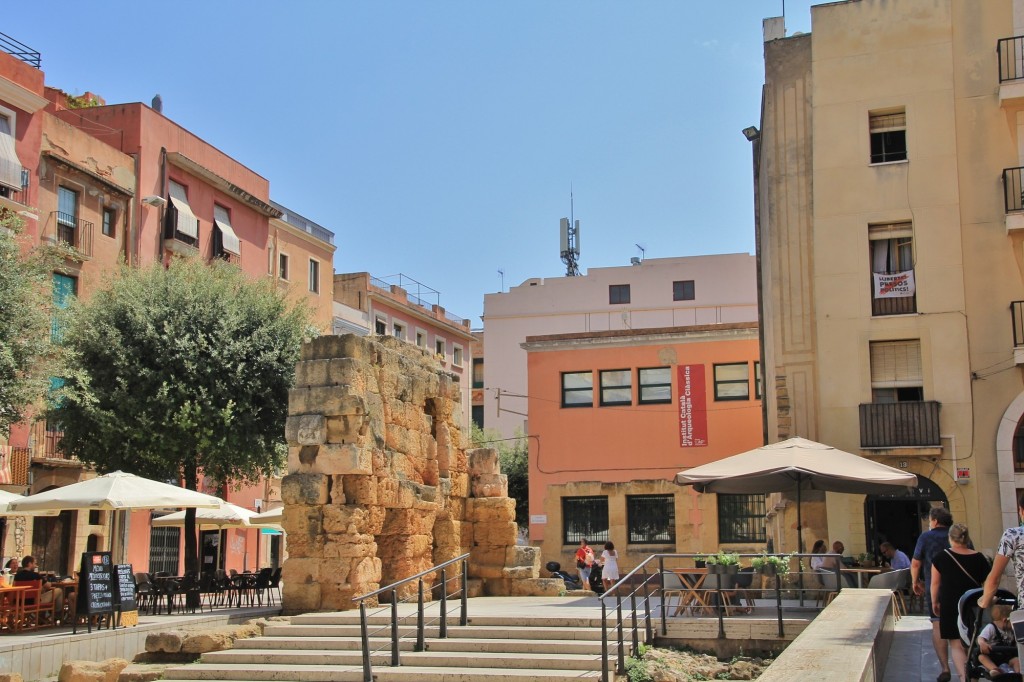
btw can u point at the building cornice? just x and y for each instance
(737, 331)
(280, 224)
(26, 100)
(183, 162)
(106, 182)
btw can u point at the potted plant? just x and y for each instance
(729, 563)
(711, 562)
(700, 561)
(771, 565)
(866, 560)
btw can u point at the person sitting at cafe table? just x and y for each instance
(897, 559)
(12, 565)
(48, 593)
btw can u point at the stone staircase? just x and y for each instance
(325, 647)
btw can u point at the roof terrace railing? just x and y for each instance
(18, 49)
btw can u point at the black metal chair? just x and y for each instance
(187, 595)
(261, 586)
(275, 584)
(211, 588)
(145, 593)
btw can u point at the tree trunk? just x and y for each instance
(191, 544)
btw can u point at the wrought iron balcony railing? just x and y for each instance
(903, 424)
(1017, 313)
(1013, 190)
(1011, 58)
(74, 232)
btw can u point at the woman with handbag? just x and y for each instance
(955, 571)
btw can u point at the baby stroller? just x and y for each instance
(972, 620)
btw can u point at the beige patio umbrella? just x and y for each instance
(795, 464)
(6, 497)
(114, 491)
(271, 516)
(226, 516)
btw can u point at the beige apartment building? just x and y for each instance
(890, 239)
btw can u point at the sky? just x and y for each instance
(440, 139)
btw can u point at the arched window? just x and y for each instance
(1018, 446)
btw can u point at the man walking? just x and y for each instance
(929, 545)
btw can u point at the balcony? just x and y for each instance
(44, 445)
(1017, 317)
(74, 232)
(11, 194)
(1010, 53)
(1013, 198)
(900, 425)
(20, 50)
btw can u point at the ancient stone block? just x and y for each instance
(345, 549)
(297, 572)
(166, 642)
(360, 489)
(299, 597)
(460, 482)
(495, 533)
(307, 429)
(489, 485)
(483, 461)
(518, 572)
(304, 489)
(90, 671)
(347, 428)
(523, 555)
(331, 346)
(407, 522)
(341, 459)
(490, 509)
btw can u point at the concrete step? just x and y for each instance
(260, 658)
(510, 630)
(352, 618)
(329, 673)
(327, 643)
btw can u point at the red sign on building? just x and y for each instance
(693, 409)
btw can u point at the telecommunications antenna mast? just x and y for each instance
(569, 231)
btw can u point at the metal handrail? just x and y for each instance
(392, 589)
(18, 49)
(644, 614)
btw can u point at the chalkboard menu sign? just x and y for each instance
(124, 588)
(95, 586)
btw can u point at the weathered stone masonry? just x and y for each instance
(380, 485)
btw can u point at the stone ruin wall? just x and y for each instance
(380, 485)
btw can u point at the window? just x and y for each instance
(655, 385)
(314, 276)
(421, 338)
(380, 326)
(478, 415)
(182, 224)
(577, 389)
(888, 136)
(683, 291)
(757, 380)
(616, 387)
(439, 347)
(893, 288)
(618, 293)
(457, 356)
(478, 372)
(163, 549)
(109, 222)
(398, 330)
(896, 374)
(1018, 448)
(651, 519)
(11, 176)
(65, 289)
(282, 266)
(732, 381)
(584, 518)
(741, 518)
(225, 241)
(67, 215)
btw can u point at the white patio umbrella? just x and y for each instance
(271, 516)
(6, 497)
(226, 516)
(796, 464)
(112, 492)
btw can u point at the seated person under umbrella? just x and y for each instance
(48, 593)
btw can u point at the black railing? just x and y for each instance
(18, 49)
(1013, 190)
(392, 591)
(74, 232)
(903, 424)
(1011, 58)
(644, 588)
(1017, 313)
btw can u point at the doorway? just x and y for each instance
(901, 516)
(211, 555)
(51, 542)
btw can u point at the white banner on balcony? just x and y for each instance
(896, 285)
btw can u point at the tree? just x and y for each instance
(26, 307)
(514, 455)
(180, 370)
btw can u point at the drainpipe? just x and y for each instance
(163, 191)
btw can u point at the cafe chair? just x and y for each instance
(261, 586)
(187, 595)
(35, 613)
(671, 588)
(211, 588)
(145, 593)
(829, 586)
(895, 581)
(275, 585)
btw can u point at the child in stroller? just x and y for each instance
(994, 639)
(972, 622)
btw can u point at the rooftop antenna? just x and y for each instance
(569, 231)
(643, 251)
(502, 273)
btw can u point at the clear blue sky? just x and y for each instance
(440, 138)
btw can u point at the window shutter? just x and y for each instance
(889, 121)
(896, 363)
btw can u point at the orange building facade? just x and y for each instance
(614, 415)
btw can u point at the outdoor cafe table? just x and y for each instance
(163, 584)
(861, 572)
(693, 582)
(12, 607)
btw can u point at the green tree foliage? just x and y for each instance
(172, 371)
(26, 306)
(514, 455)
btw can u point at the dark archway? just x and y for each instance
(901, 516)
(51, 541)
